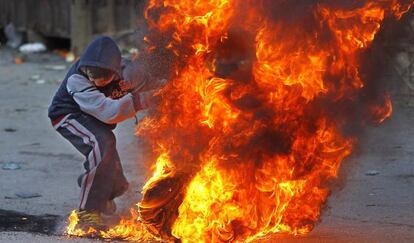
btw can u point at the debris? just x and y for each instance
(55, 67)
(8, 129)
(41, 81)
(35, 77)
(27, 195)
(32, 47)
(23, 195)
(11, 166)
(30, 144)
(14, 38)
(18, 60)
(20, 109)
(372, 173)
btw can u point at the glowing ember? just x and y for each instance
(250, 128)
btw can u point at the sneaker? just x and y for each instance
(110, 208)
(90, 219)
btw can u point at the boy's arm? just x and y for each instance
(95, 103)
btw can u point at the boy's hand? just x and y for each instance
(144, 100)
(127, 86)
(135, 75)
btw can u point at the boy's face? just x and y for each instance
(101, 82)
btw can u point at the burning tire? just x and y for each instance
(159, 206)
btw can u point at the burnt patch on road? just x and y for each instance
(16, 221)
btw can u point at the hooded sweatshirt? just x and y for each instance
(77, 94)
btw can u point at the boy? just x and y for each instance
(84, 110)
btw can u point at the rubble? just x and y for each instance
(372, 173)
(11, 166)
(32, 48)
(55, 67)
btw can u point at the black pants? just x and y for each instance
(104, 178)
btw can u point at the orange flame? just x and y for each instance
(252, 149)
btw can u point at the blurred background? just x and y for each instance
(70, 24)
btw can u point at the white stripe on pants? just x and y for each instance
(94, 156)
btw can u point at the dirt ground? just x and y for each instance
(374, 203)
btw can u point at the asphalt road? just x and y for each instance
(362, 208)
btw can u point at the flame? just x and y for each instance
(246, 153)
(163, 169)
(71, 229)
(127, 229)
(382, 112)
(222, 205)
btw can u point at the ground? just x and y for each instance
(374, 201)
